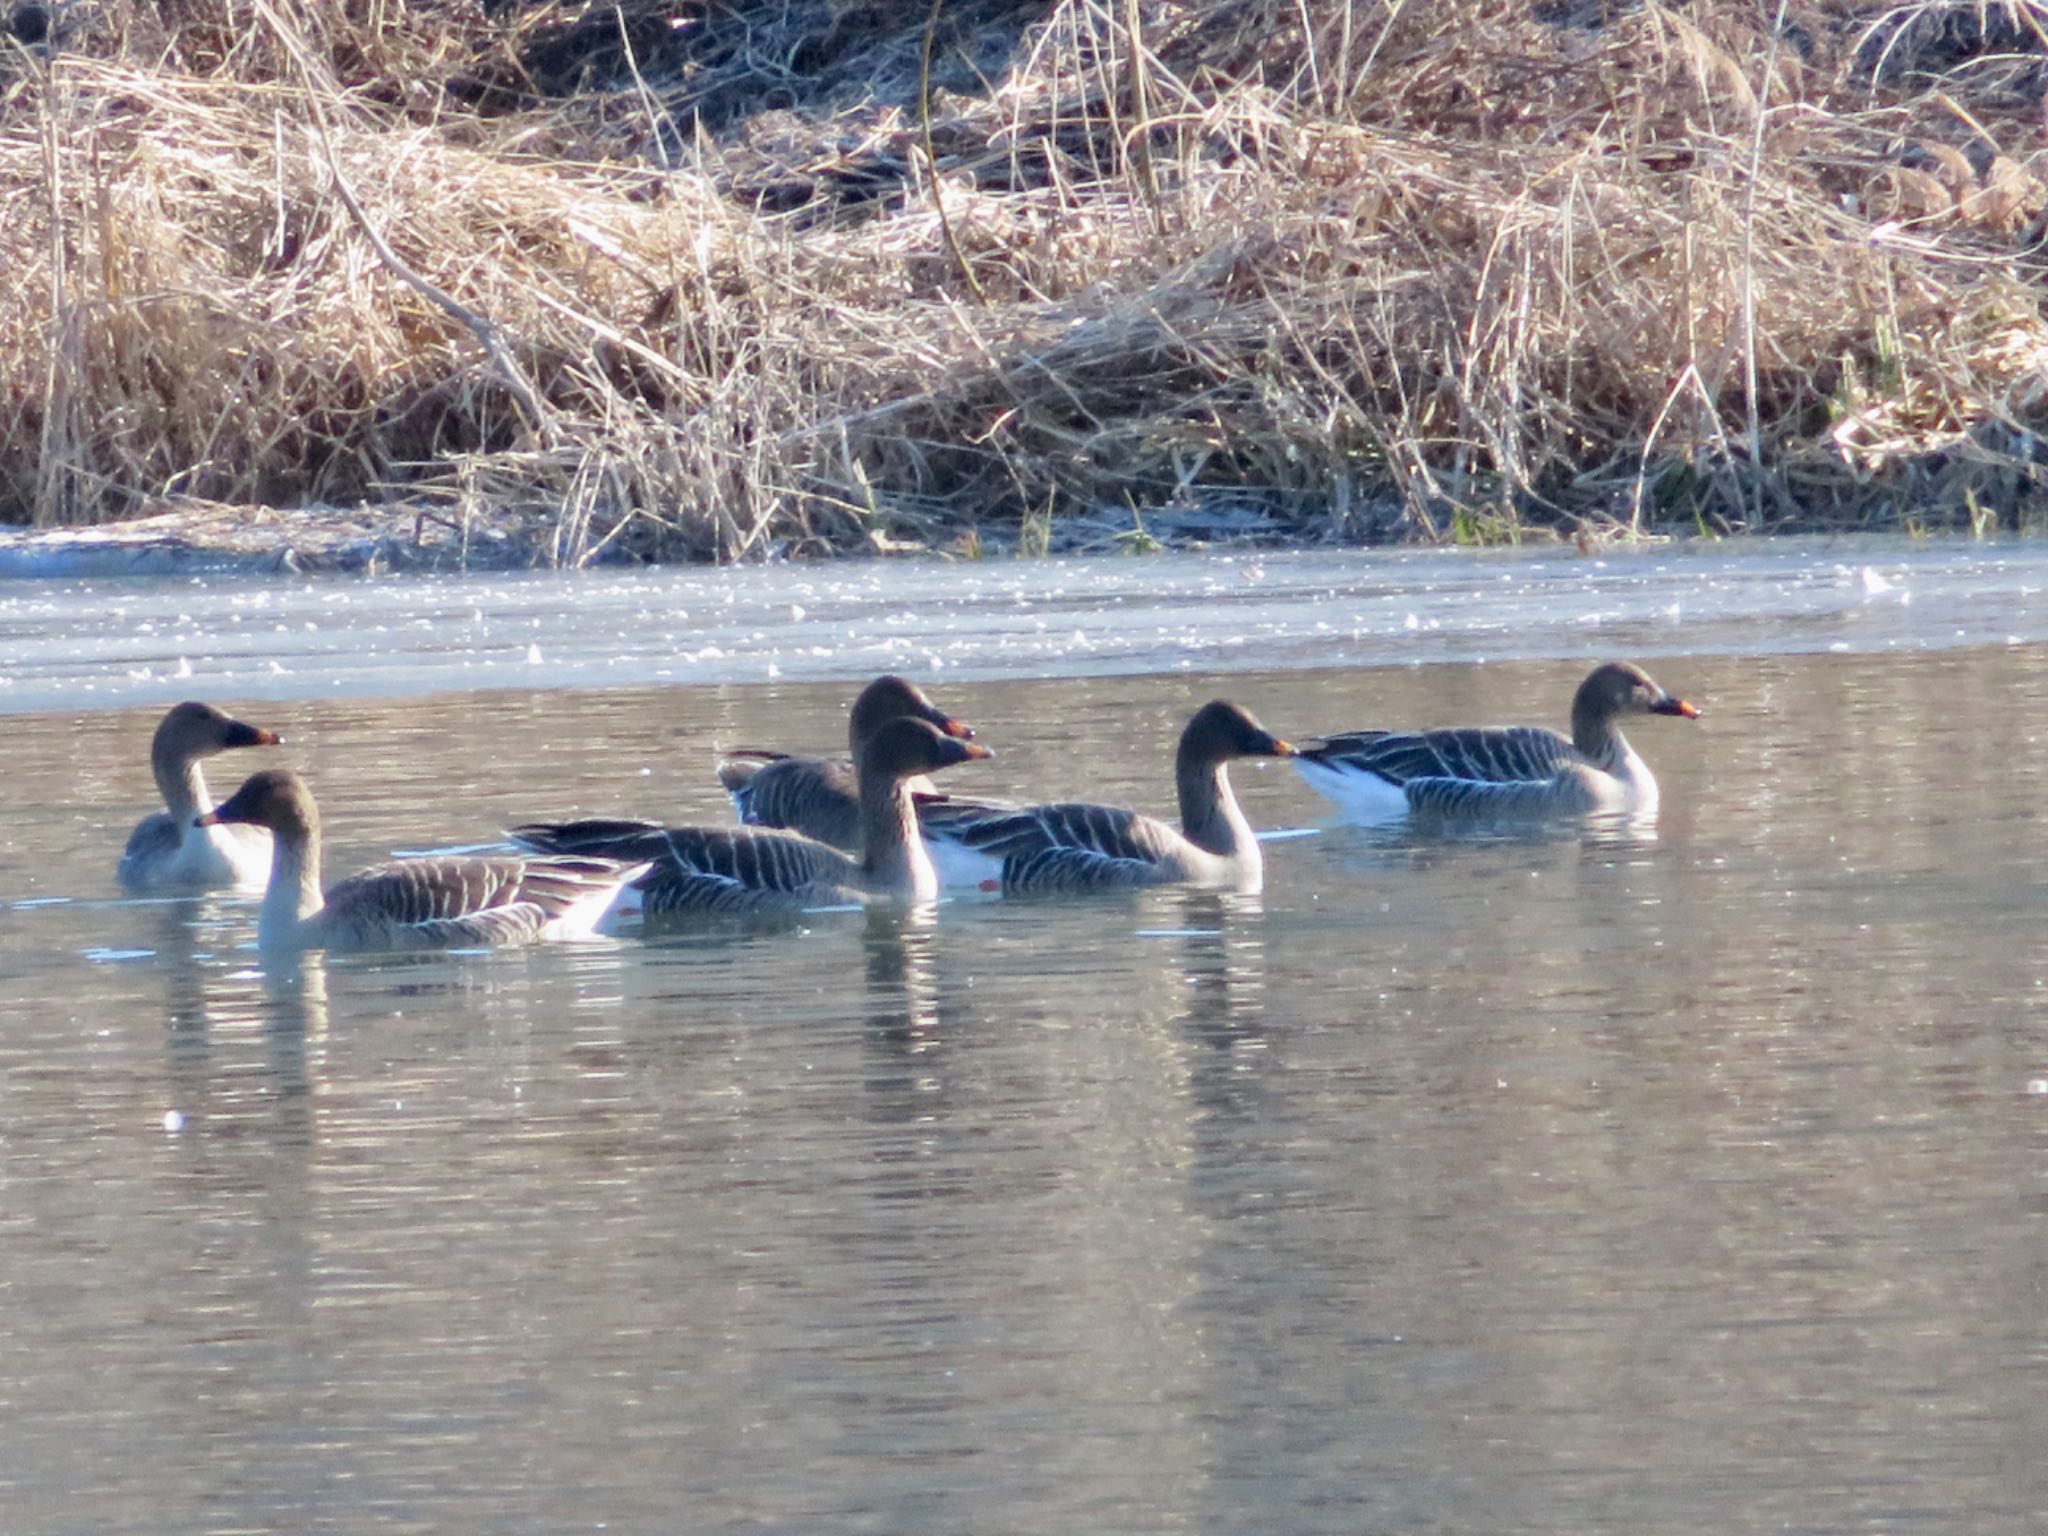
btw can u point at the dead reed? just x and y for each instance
(690, 281)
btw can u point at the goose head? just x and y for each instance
(192, 730)
(890, 698)
(1622, 688)
(908, 745)
(276, 798)
(1222, 732)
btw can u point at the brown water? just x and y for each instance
(1692, 1183)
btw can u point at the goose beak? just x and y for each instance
(1670, 704)
(959, 730)
(970, 751)
(240, 735)
(1278, 748)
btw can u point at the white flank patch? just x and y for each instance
(1360, 797)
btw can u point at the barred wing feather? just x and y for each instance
(738, 768)
(717, 870)
(518, 923)
(816, 796)
(1566, 792)
(434, 903)
(1063, 848)
(743, 869)
(1076, 871)
(1492, 755)
(595, 837)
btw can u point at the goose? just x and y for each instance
(731, 871)
(819, 796)
(1502, 771)
(167, 850)
(435, 903)
(1072, 848)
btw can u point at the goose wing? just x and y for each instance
(441, 902)
(708, 869)
(161, 855)
(155, 839)
(1485, 755)
(1574, 790)
(817, 796)
(738, 768)
(1061, 849)
(601, 837)
(941, 807)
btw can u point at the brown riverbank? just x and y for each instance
(574, 281)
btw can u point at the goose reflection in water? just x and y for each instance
(214, 1006)
(903, 1033)
(1223, 959)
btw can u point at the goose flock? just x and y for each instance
(869, 827)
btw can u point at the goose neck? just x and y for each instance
(1209, 813)
(896, 862)
(1596, 735)
(183, 786)
(293, 896)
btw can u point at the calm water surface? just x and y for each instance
(1692, 1182)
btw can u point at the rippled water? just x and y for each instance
(1683, 1183)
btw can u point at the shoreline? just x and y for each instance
(210, 539)
(400, 539)
(198, 537)
(204, 538)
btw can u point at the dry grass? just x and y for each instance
(707, 281)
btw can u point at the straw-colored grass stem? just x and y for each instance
(724, 282)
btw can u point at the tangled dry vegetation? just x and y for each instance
(723, 279)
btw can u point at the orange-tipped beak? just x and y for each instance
(1679, 708)
(958, 729)
(973, 750)
(1284, 748)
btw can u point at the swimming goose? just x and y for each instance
(166, 851)
(1502, 771)
(819, 796)
(1068, 849)
(434, 903)
(738, 870)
